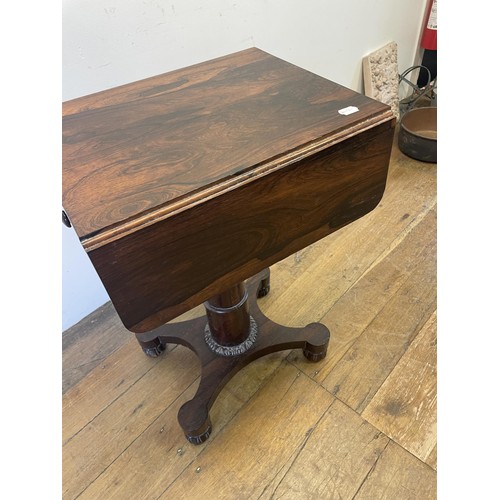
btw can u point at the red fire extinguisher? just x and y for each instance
(429, 36)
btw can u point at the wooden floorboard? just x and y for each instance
(405, 406)
(90, 342)
(396, 475)
(359, 424)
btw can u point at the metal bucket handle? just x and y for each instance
(408, 103)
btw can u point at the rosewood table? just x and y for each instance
(185, 187)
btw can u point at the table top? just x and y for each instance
(140, 152)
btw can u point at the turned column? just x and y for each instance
(230, 329)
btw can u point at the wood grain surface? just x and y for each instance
(132, 150)
(399, 475)
(343, 447)
(405, 408)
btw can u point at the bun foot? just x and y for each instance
(316, 346)
(199, 438)
(264, 285)
(195, 422)
(314, 356)
(154, 352)
(152, 348)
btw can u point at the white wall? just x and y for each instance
(111, 42)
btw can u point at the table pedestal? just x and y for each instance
(234, 333)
